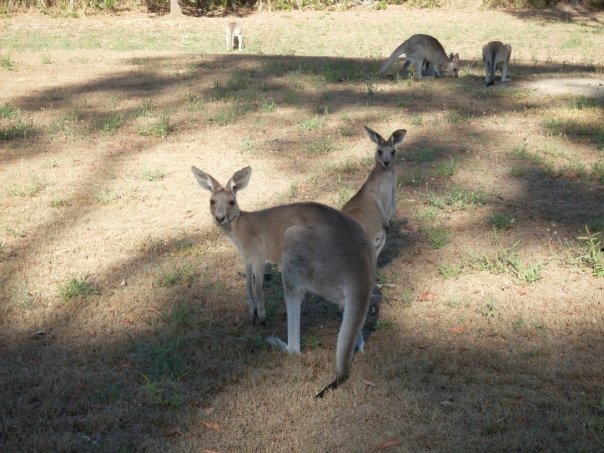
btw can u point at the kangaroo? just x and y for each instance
(373, 206)
(496, 54)
(234, 36)
(419, 49)
(319, 250)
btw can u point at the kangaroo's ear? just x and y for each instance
(374, 136)
(456, 57)
(204, 180)
(397, 137)
(240, 179)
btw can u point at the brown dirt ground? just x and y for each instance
(480, 362)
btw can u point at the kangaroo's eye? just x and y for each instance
(212, 202)
(231, 203)
(379, 152)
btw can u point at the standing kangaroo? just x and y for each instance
(496, 54)
(319, 250)
(373, 206)
(234, 36)
(419, 49)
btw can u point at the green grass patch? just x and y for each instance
(320, 147)
(158, 127)
(458, 199)
(177, 275)
(437, 236)
(111, 123)
(106, 196)
(59, 203)
(447, 168)
(450, 270)
(153, 175)
(6, 62)
(8, 111)
(31, 189)
(77, 287)
(16, 130)
(501, 221)
(312, 124)
(593, 256)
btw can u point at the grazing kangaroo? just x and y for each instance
(419, 49)
(319, 250)
(373, 206)
(234, 36)
(496, 55)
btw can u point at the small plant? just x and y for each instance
(311, 342)
(77, 287)
(447, 168)
(521, 152)
(267, 105)
(437, 236)
(145, 110)
(489, 309)
(384, 324)
(238, 82)
(162, 392)
(370, 86)
(45, 59)
(428, 215)
(6, 63)
(153, 175)
(60, 203)
(159, 127)
(165, 359)
(33, 188)
(195, 102)
(18, 232)
(111, 123)
(417, 120)
(106, 197)
(312, 124)
(18, 129)
(450, 270)
(501, 221)
(455, 117)
(8, 111)
(593, 256)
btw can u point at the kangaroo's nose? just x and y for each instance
(220, 219)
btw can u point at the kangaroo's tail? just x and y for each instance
(397, 53)
(355, 312)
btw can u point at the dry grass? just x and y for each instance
(123, 324)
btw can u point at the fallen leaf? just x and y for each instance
(369, 383)
(128, 322)
(210, 425)
(173, 432)
(426, 296)
(387, 444)
(209, 451)
(154, 310)
(458, 329)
